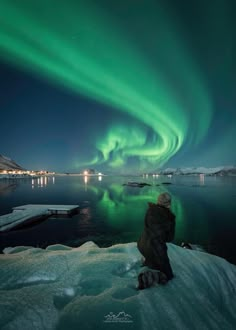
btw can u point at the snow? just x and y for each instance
(8, 221)
(32, 212)
(8, 164)
(95, 288)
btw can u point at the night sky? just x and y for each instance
(119, 86)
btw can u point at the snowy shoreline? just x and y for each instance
(90, 287)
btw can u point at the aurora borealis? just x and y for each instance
(118, 85)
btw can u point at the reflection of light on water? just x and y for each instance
(41, 182)
(202, 179)
(85, 216)
(53, 179)
(85, 182)
(99, 178)
(154, 176)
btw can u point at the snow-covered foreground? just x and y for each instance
(95, 288)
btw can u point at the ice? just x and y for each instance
(95, 288)
(32, 212)
(13, 219)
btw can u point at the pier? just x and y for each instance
(33, 212)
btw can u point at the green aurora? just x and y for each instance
(85, 48)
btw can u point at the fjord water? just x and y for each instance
(112, 212)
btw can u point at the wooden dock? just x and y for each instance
(33, 212)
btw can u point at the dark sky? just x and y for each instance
(119, 86)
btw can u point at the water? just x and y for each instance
(112, 213)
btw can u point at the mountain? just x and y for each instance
(219, 171)
(9, 164)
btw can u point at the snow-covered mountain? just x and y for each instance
(8, 164)
(221, 171)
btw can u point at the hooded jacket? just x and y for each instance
(159, 228)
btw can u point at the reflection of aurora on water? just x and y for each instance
(112, 213)
(123, 208)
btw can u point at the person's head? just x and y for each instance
(164, 199)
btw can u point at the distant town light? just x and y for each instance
(85, 172)
(202, 179)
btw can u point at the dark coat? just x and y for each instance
(159, 228)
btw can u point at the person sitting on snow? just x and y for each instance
(159, 228)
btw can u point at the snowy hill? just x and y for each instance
(95, 288)
(221, 171)
(8, 164)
